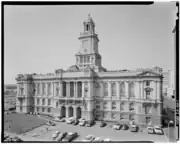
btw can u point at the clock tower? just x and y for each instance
(88, 55)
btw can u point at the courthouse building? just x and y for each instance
(88, 90)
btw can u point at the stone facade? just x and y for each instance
(88, 90)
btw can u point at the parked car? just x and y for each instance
(76, 121)
(55, 135)
(90, 123)
(50, 123)
(70, 136)
(70, 120)
(82, 123)
(107, 140)
(88, 138)
(97, 139)
(134, 128)
(61, 136)
(117, 126)
(57, 119)
(150, 130)
(102, 124)
(62, 119)
(158, 130)
(124, 127)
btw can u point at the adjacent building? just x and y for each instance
(88, 90)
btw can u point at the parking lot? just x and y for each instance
(105, 132)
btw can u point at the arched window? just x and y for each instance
(113, 105)
(131, 90)
(113, 89)
(105, 89)
(122, 89)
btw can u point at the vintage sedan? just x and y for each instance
(158, 130)
(82, 123)
(107, 140)
(61, 136)
(125, 127)
(134, 128)
(55, 135)
(89, 138)
(150, 129)
(97, 139)
(90, 123)
(70, 136)
(117, 126)
(50, 123)
(103, 124)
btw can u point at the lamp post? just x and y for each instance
(170, 122)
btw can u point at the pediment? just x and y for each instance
(148, 73)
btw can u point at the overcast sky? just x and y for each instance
(40, 39)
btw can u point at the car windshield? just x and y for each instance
(157, 128)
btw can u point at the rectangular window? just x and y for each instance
(21, 109)
(42, 109)
(37, 109)
(64, 89)
(88, 59)
(98, 106)
(22, 91)
(147, 83)
(43, 101)
(49, 102)
(49, 110)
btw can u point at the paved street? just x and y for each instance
(105, 132)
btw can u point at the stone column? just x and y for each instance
(109, 89)
(117, 89)
(136, 88)
(142, 90)
(67, 111)
(74, 112)
(154, 90)
(52, 89)
(127, 89)
(47, 89)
